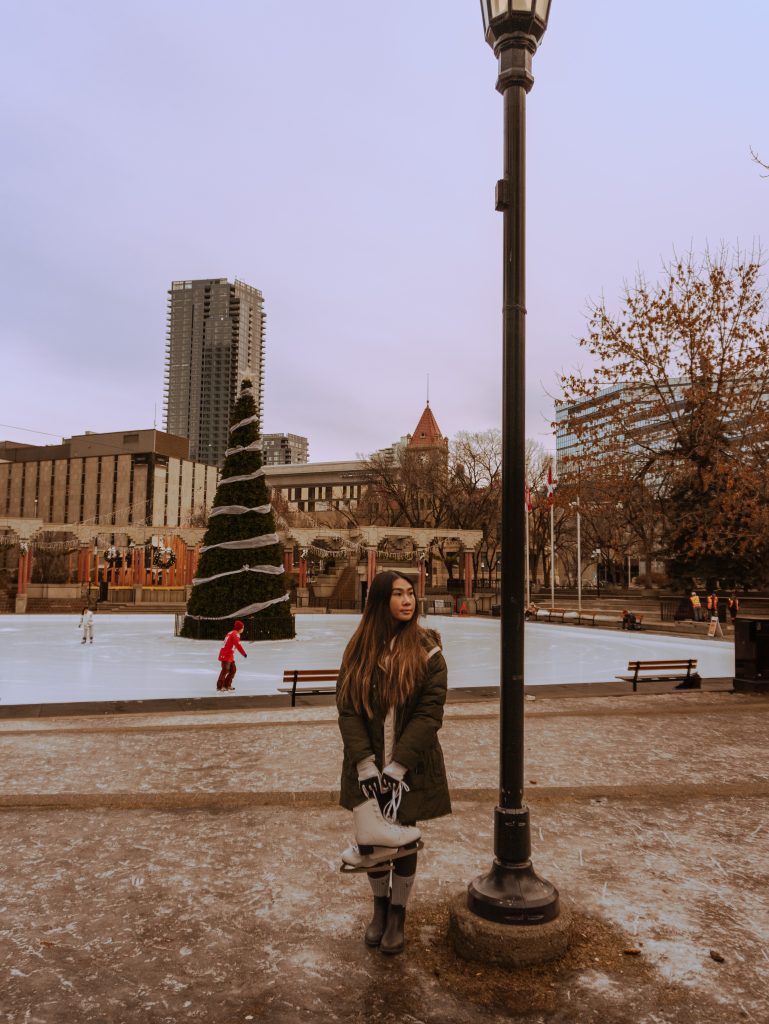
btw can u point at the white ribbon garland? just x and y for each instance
(250, 609)
(238, 510)
(243, 423)
(238, 479)
(255, 446)
(238, 545)
(271, 570)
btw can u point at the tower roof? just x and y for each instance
(427, 433)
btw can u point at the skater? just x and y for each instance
(390, 696)
(227, 658)
(86, 624)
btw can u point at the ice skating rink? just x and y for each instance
(136, 657)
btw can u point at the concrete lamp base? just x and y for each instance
(508, 945)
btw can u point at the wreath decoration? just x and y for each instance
(111, 555)
(164, 558)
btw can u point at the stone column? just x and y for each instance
(421, 581)
(468, 573)
(22, 576)
(370, 567)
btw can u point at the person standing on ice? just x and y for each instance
(86, 624)
(391, 691)
(227, 657)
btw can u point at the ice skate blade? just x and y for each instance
(369, 863)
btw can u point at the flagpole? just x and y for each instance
(552, 559)
(579, 562)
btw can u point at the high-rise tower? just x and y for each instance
(215, 339)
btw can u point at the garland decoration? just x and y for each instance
(241, 613)
(265, 541)
(239, 510)
(255, 446)
(111, 555)
(271, 570)
(164, 558)
(243, 423)
(238, 479)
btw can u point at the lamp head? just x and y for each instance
(503, 17)
(514, 30)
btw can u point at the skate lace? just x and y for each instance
(391, 808)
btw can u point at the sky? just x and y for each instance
(342, 157)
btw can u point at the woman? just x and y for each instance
(227, 657)
(390, 695)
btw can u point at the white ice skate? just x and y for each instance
(386, 837)
(380, 857)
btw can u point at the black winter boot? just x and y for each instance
(375, 930)
(393, 938)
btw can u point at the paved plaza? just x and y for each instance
(185, 867)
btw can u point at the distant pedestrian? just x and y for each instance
(733, 604)
(713, 605)
(86, 624)
(694, 601)
(227, 657)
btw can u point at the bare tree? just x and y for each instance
(674, 423)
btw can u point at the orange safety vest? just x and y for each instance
(695, 601)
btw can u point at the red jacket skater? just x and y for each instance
(231, 641)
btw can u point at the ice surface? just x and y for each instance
(137, 657)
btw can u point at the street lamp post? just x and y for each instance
(512, 892)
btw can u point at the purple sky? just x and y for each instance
(342, 157)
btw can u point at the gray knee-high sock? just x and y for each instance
(380, 884)
(402, 886)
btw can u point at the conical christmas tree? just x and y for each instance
(240, 574)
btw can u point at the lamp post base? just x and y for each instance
(507, 945)
(513, 894)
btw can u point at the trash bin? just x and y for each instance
(751, 654)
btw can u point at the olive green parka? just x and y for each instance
(416, 744)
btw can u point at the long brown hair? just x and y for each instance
(382, 642)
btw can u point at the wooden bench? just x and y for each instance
(548, 613)
(659, 671)
(610, 617)
(324, 680)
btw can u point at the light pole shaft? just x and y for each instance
(513, 450)
(512, 892)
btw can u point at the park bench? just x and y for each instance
(610, 618)
(548, 613)
(312, 680)
(659, 671)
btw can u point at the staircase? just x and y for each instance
(345, 592)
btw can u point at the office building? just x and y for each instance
(143, 477)
(284, 449)
(215, 340)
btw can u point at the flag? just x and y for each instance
(527, 498)
(552, 483)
